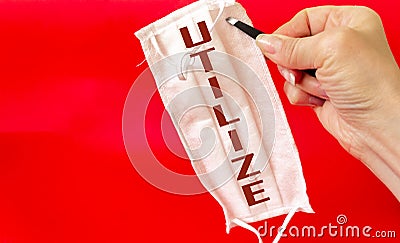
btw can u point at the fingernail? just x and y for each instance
(287, 75)
(323, 94)
(269, 43)
(314, 101)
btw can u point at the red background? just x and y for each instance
(65, 70)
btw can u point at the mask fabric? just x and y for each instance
(217, 88)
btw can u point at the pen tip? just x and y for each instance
(231, 20)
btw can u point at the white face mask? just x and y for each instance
(216, 86)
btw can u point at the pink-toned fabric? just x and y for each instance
(258, 123)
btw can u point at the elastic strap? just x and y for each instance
(221, 7)
(248, 227)
(282, 229)
(141, 62)
(284, 225)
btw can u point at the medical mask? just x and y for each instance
(217, 88)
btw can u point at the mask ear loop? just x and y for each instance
(221, 7)
(140, 64)
(285, 224)
(282, 229)
(248, 227)
(186, 63)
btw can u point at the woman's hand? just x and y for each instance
(356, 91)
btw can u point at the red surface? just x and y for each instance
(65, 70)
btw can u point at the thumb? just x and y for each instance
(293, 53)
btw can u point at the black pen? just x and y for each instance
(253, 33)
